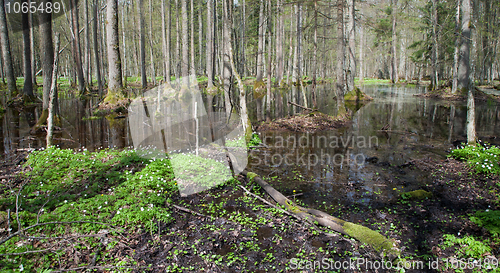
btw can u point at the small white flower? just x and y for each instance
(118, 212)
(65, 201)
(99, 207)
(106, 202)
(142, 209)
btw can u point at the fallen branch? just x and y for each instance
(361, 233)
(47, 223)
(300, 106)
(191, 211)
(25, 252)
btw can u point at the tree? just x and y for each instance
(151, 41)
(340, 83)
(47, 58)
(435, 51)
(142, 39)
(351, 31)
(6, 53)
(394, 60)
(454, 85)
(210, 47)
(52, 95)
(28, 82)
(77, 52)
(96, 49)
(464, 82)
(115, 85)
(165, 40)
(185, 47)
(280, 69)
(245, 121)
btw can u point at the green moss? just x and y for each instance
(114, 97)
(43, 117)
(259, 89)
(372, 238)
(251, 175)
(418, 194)
(357, 95)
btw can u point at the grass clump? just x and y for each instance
(481, 159)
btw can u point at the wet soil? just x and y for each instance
(309, 121)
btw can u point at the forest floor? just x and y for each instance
(140, 223)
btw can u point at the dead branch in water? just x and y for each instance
(300, 106)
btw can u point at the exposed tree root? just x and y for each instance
(363, 234)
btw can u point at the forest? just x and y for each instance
(249, 136)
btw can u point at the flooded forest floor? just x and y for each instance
(144, 225)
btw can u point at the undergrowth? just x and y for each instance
(481, 159)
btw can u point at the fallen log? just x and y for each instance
(300, 106)
(363, 234)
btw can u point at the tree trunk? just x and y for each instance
(96, 49)
(454, 85)
(77, 52)
(115, 85)
(185, 47)
(243, 38)
(200, 37)
(361, 46)
(268, 96)
(279, 43)
(164, 42)
(142, 39)
(340, 84)
(28, 82)
(245, 121)
(177, 60)
(53, 94)
(226, 62)
(32, 48)
(260, 45)
(394, 59)
(464, 71)
(86, 33)
(434, 76)
(151, 42)
(315, 54)
(210, 47)
(193, 70)
(351, 30)
(124, 44)
(47, 58)
(464, 59)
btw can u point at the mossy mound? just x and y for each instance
(372, 238)
(308, 122)
(416, 195)
(259, 89)
(357, 95)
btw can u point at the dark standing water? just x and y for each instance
(324, 166)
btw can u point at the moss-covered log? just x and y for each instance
(363, 234)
